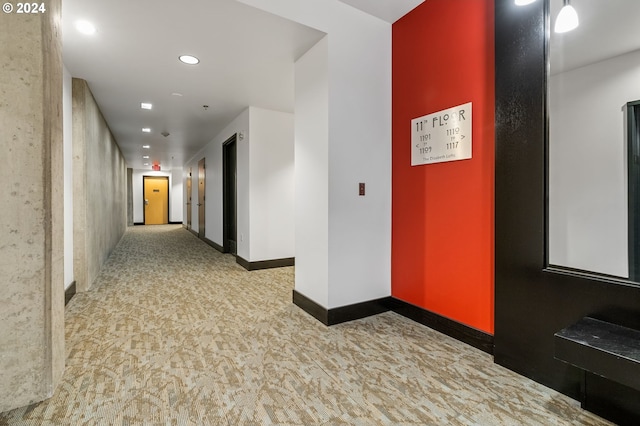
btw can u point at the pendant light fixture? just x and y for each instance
(567, 19)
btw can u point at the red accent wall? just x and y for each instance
(443, 214)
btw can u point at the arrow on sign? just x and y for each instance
(461, 137)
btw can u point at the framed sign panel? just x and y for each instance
(442, 136)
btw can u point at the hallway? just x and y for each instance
(176, 333)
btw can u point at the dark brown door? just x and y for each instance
(229, 196)
(201, 198)
(189, 200)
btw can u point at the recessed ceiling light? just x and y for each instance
(145, 105)
(145, 164)
(145, 157)
(188, 59)
(146, 146)
(146, 130)
(176, 94)
(85, 27)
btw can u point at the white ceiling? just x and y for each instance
(387, 10)
(607, 29)
(247, 58)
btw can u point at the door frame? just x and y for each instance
(202, 174)
(144, 213)
(633, 187)
(226, 194)
(189, 196)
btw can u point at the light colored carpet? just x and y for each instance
(175, 333)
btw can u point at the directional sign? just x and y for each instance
(442, 136)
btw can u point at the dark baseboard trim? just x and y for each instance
(469, 335)
(175, 223)
(342, 314)
(69, 293)
(212, 244)
(138, 223)
(358, 310)
(312, 308)
(265, 264)
(194, 233)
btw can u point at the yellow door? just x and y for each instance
(156, 200)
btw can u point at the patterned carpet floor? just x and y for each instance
(175, 333)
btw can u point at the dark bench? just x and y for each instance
(607, 350)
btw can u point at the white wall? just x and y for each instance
(359, 147)
(67, 128)
(359, 151)
(212, 153)
(588, 172)
(312, 173)
(271, 185)
(175, 193)
(264, 185)
(176, 196)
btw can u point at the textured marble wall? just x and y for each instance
(31, 217)
(100, 191)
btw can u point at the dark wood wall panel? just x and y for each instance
(531, 304)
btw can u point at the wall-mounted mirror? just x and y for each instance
(594, 80)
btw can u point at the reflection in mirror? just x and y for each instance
(594, 74)
(633, 165)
